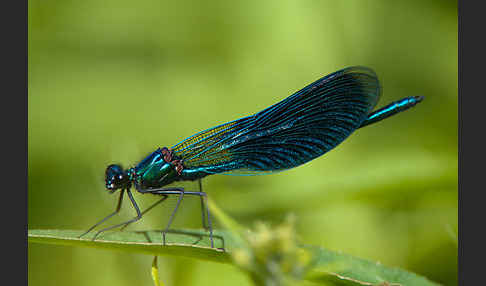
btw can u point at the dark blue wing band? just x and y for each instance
(292, 132)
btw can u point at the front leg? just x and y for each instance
(118, 207)
(139, 216)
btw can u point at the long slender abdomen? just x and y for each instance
(391, 109)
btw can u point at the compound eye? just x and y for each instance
(114, 177)
(119, 179)
(113, 171)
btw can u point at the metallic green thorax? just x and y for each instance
(153, 172)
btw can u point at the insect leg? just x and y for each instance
(164, 197)
(202, 207)
(179, 200)
(204, 197)
(139, 216)
(181, 192)
(118, 207)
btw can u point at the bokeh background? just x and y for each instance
(110, 81)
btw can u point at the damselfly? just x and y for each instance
(294, 131)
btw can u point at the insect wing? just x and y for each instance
(292, 132)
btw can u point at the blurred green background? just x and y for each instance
(110, 81)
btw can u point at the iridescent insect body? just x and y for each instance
(294, 131)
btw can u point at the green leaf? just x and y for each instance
(342, 269)
(187, 243)
(329, 267)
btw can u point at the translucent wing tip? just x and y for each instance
(370, 79)
(361, 69)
